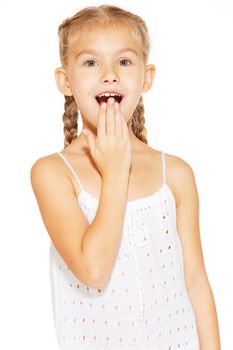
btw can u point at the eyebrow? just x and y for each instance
(127, 49)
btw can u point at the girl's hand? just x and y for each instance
(111, 148)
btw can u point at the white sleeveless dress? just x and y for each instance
(145, 305)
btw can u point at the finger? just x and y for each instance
(101, 122)
(110, 117)
(125, 131)
(118, 120)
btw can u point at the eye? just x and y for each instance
(125, 61)
(92, 63)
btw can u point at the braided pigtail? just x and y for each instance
(138, 122)
(70, 120)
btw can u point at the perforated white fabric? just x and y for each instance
(145, 304)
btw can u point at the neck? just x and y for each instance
(137, 145)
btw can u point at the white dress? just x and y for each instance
(145, 305)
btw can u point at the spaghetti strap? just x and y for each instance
(164, 167)
(72, 170)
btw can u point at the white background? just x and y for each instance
(188, 114)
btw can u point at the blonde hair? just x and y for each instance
(100, 17)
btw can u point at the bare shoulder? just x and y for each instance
(49, 169)
(49, 160)
(47, 164)
(179, 173)
(180, 177)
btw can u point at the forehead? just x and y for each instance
(106, 40)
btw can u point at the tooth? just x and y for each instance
(107, 94)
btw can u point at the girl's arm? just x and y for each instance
(196, 279)
(88, 250)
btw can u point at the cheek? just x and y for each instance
(135, 80)
(81, 89)
(136, 89)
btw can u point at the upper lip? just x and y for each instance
(110, 92)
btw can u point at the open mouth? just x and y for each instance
(105, 96)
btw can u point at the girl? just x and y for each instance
(127, 269)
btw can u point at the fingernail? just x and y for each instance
(111, 100)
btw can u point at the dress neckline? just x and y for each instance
(133, 202)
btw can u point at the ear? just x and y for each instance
(62, 81)
(150, 70)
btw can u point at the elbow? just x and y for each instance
(98, 281)
(92, 278)
(93, 282)
(94, 275)
(97, 285)
(88, 279)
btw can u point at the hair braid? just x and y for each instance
(138, 122)
(70, 120)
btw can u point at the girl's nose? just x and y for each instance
(109, 80)
(109, 76)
